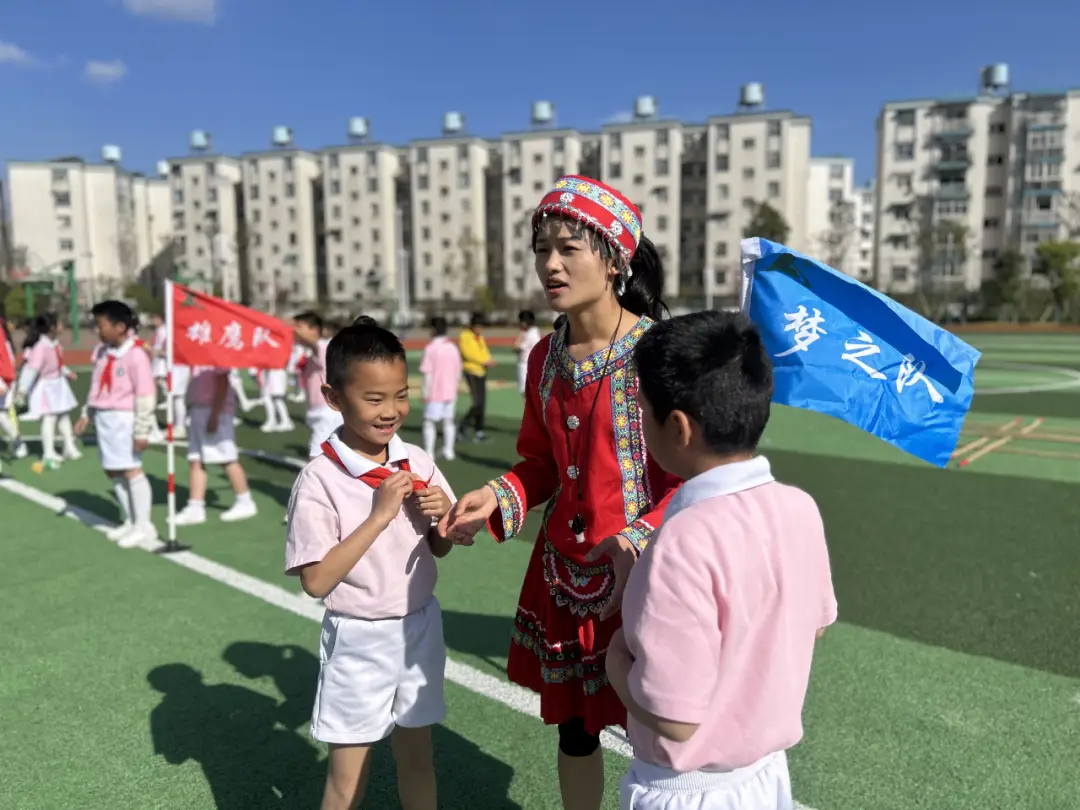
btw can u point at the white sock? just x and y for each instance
(142, 498)
(282, 411)
(271, 412)
(429, 437)
(243, 498)
(67, 435)
(48, 435)
(123, 497)
(449, 430)
(195, 506)
(7, 427)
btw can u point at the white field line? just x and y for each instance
(510, 695)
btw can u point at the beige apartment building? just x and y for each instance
(207, 209)
(994, 166)
(361, 220)
(864, 244)
(281, 188)
(831, 215)
(753, 157)
(110, 222)
(449, 225)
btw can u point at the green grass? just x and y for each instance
(952, 680)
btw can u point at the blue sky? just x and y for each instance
(76, 74)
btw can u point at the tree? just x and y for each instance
(1059, 263)
(767, 223)
(145, 301)
(1004, 292)
(836, 242)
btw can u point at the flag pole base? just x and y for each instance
(171, 547)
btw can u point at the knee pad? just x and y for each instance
(574, 741)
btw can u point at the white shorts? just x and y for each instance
(275, 383)
(158, 368)
(765, 785)
(180, 377)
(375, 675)
(115, 432)
(211, 448)
(439, 411)
(323, 422)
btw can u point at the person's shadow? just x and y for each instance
(255, 752)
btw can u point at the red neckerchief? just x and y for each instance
(106, 381)
(374, 478)
(300, 363)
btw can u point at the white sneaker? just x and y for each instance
(117, 532)
(189, 516)
(21, 450)
(449, 455)
(240, 511)
(138, 536)
(286, 427)
(72, 454)
(265, 428)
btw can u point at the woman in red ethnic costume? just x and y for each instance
(583, 454)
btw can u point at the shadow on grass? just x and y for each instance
(1052, 404)
(254, 750)
(979, 564)
(486, 637)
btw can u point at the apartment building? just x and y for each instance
(831, 215)
(361, 222)
(447, 190)
(978, 175)
(108, 221)
(207, 213)
(694, 284)
(531, 163)
(863, 247)
(281, 192)
(754, 156)
(643, 160)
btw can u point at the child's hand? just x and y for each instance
(71, 375)
(81, 425)
(141, 444)
(434, 502)
(390, 495)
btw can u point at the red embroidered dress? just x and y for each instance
(559, 641)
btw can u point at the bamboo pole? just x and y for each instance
(999, 430)
(994, 445)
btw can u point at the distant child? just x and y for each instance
(273, 386)
(9, 423)
(297, 360)
(721, 611)
(158, 351)
(121, 406)
(441, 367)
(476, 360)
(212, 440)
(362, 536)
(524, 343)
(43, 382)
(308, 327)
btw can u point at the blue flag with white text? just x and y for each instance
(841, 348)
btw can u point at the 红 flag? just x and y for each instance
(841, 348)
(209, 331)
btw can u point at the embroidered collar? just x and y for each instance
(356, 464)
(726, 479)
(589, 370)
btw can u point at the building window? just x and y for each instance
(772, 160)
(373, 185)
(59, 175)
(748, 173)
(661, 167)
(661, 223)
(904, 151)
(615, 171)
(723, 191)
(639, 151)
(722, 163)
(290, 189)
(254, 193)
(335, 186)
(774, 127)
(774, 189)
(748, 143)
(661, 137)
(421, 154)
(67, 245)
(723, 132)
(463, 180)
(995, 160)
(422, 182)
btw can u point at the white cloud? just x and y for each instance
(197, 11)
(12, 54)
(100, 72)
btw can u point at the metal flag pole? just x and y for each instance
(171, 546)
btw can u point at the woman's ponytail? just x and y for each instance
(644, 293)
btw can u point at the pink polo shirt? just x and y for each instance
(202, 388)
(441, 365)
(314, 375)
(720, 615)
(46, 358)
(131, 377)
(396, 576)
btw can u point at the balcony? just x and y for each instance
(956, 162)
(954, 131)
(952, 191)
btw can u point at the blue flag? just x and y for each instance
(841, 348)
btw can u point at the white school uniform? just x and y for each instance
(219, 446)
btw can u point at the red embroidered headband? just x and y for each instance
(599, 206)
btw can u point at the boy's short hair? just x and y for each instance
(713, 367)
(477, 319)
(116, 312)
(527, 317)
(439, 325)
(363, 342)
(310, 318)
